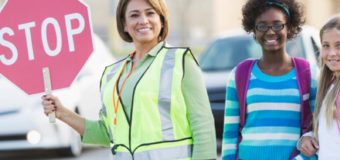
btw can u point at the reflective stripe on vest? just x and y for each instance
(165, 94)
(106, 77)
(112, 70)
(173, 153)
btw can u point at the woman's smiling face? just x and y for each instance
(142, 22)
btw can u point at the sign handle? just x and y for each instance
(48, 90)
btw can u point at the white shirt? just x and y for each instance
(329, 137)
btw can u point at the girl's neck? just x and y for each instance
(275, 59)
(275, 64)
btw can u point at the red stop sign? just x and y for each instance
(44, 33)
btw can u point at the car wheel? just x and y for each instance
(75, 147)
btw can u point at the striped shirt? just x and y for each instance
(272, 125)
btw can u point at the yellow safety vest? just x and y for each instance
(159, 128)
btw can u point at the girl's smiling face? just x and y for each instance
(274, 38)
(330, 51)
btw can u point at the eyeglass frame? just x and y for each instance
(282, 26)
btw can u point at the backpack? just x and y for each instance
(303, 75)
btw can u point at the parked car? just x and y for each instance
(23, 125)
(227, 51)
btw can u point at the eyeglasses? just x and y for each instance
(261, 27)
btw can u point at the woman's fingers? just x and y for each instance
(49, 104)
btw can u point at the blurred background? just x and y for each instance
(195, 22)
(210, 27)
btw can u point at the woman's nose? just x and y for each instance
(143, 19)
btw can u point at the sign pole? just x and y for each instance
(48, 90)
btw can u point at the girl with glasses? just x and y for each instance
(275, 109)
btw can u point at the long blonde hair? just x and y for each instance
(327, 78)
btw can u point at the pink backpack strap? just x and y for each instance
(338, 106)
(242, 77)
(303, 75)
(337, 111)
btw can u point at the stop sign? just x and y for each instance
(44, 33)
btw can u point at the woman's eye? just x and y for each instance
(337, 46)
(150, 13)
(134, 15)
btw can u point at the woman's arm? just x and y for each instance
(92, 132)
(200, 115)
(52, 103)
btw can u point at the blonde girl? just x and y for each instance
(326, 122)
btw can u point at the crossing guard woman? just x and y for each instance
(155, 106)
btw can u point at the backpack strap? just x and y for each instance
(337, 102)
(242, 76)
(337, 110)
(303, 76)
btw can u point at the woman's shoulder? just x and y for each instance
(169, 46)
(115, 64)
(118, 62)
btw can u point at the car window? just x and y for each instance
(224, 54)
(295, 47)
(315, 48)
